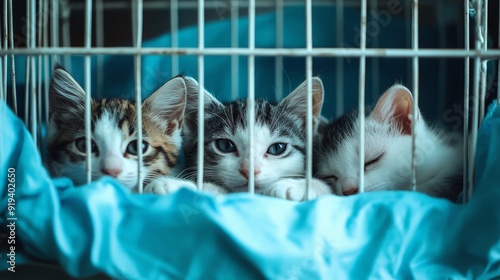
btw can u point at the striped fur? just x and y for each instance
(275, 124)
(114, 132)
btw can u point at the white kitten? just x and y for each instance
(388, 144)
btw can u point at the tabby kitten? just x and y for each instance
(280, 135)
(388, 145)
(114, 132)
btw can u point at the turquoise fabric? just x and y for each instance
(101, 227)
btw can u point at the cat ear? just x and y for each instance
(296, 101)
(65, 92)
(191, 115)
(396, 104)
(168, 102)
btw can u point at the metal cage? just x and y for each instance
(38, 34)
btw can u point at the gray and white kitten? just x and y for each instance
(280, 137)
(114, 133)
(388, 138)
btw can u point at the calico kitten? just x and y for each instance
(280, 135)
(388, 136)
(114, 132)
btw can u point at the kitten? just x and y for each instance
(280, 135)
(388, 136)
(114, 132)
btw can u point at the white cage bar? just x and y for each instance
(466, 103)
(235, 73)
(292, 52)
(46, 69)
(339, 97)
(87, 77)
(475, 103)
(33, 95)
(201, 95)
(4, 45)
(415, 80)
(361, 99)
(278, 71)
(174, 29)
(99, 41)
(251, 97)
(137, 8)
(309, 118)
(12, 60)
(484, 66)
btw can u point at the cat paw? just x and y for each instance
(165, 185)
(295, 189)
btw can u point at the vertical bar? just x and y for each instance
(251, 96)
(235, 71)
(12, 58)
(134, 21)
(28, 64)
(361, 99)
(309, 118)
(54, 24)
(88, 136)
(99, 41)
(408, 23)
(278, 61)
(442, 61)
(46, 60)
(5, 46)
(3, 92)
(33, 96)
(3, 79)
(39, 64)
(138, 94)
(375, 61)
(475, 105)
(340, 61)
(66, 13)
(27, 83)
(174, 30)
(484, 63)
(201, 95)
(498, 63)
(466, 103)
(415, 96)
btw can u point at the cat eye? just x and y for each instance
(225, 145)
(331, 179)
(276, 149)
(81, 145)
(374, 160)
(132, 147)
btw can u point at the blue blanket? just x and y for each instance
(101, 227)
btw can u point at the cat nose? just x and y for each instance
(111, 172)
(244, 172)
(350, 190)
